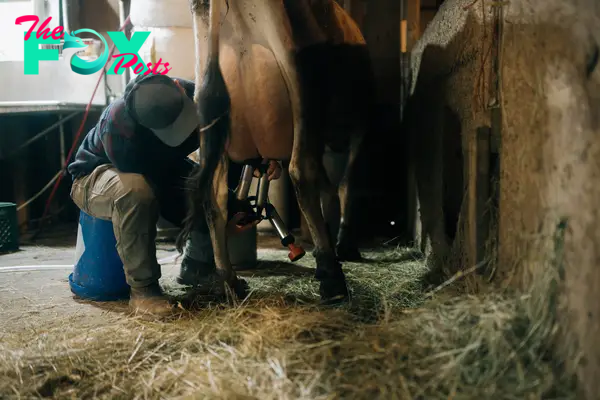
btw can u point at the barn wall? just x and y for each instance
(549, 199)
(549, 225)
(24, 174)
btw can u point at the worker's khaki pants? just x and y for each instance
(133, 205)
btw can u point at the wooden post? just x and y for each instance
(19, 128)
(427, 11)
(413, 23)
(478, 195)
(412, 203)
(413, 220)
(347, 4)
(483, 191)
(21, 188)
(414, 226)
(359, 13)
(495, 106)
(403, 36)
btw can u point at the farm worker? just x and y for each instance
(132, 167)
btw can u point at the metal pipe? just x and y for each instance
(24, 107)
(245, 183)
(42, 267)
(39, 9)
(278, 224)
(66, 10)
(122, 18)
(61, 15)
(43, 133)
(6, 104)
(262, 192)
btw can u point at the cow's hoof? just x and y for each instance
(197, 273)
(348, 253)
(241, 288)
(206, 285)
(333, 291)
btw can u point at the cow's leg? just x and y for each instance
(330, 204)
(347, 240)
(310, 180)
(217, 223)
(306, 164)
(213, 104)
(335, 167)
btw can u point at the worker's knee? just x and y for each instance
(136, 190)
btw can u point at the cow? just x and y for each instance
(548, 93)
(280, 80)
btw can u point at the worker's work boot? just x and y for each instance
(150, 300)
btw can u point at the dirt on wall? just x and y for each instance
(549, 189)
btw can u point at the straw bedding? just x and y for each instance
(393, 342)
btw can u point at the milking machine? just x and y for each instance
(258, 205)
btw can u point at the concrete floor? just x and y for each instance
(32, 298)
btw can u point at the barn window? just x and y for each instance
(11, 48)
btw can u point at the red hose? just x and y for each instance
(81, 126)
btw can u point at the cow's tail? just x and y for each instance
(213, 105)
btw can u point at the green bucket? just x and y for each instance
(9, 228)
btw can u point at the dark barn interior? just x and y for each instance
(384, 147)
(475, 216)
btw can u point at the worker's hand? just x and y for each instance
(273, 172)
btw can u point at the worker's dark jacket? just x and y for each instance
(117, 139)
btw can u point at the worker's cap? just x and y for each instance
(157, 103)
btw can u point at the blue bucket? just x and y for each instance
(98, 273)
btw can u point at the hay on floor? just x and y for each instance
(390, 343)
